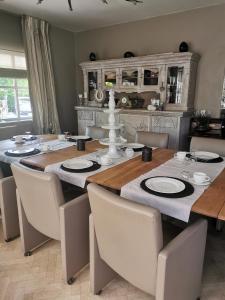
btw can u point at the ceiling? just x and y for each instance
(91, 14)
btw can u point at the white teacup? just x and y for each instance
(45, 148)
(61, 137)
(180, 155)
(129, 152)
(200, 177)
(19, 139)
(105, 160)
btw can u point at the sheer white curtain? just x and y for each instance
(40, 75)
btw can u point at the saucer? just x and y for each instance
(201, 184)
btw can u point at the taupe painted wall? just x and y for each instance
(63, 58)
(203, 29)
(10, 32)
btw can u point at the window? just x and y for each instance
(14, 90)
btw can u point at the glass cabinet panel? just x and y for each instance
(174, 84)
(92, 84)
(110, 76)
(129, 77)
(151, 76)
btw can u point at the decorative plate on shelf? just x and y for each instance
(124, 101)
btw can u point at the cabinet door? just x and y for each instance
(85, 118)
(110, 76)
(130, 78)
(170, 125)
(175, 85)
(151, 78)
(131, 124)
(92, 81)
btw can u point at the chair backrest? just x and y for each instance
(129, 236)
(152, 139)
(208, 144)
(96, 132)
(41, 195)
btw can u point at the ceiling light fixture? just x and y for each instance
(69, 3)
(135, 2)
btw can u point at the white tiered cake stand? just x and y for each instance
(112, 141)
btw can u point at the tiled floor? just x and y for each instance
(39, 276)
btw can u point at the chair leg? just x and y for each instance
(10, 221)
(100, 273)
(219, 225)
(30, 237)
(74, 216)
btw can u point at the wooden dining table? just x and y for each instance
(211, 203)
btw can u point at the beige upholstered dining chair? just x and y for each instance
(96, 132)
(152, 139)
(126, 238)
(8, 206)
(208, 144)
(44, 215)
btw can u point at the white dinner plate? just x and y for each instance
(135, 145)
(21, 151)
(79, 137)
(205, 155)
(77, 164)
(165, 185)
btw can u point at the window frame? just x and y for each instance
(15, 74)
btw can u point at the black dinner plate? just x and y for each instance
(213, 160)
(189, 189)
(135, 149)
(75, 140)
(94, 167)
(35, 151)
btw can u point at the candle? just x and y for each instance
(85, 95)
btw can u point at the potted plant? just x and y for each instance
(201, 119)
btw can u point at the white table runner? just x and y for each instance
(175, 207)
(9, 145)
(79, 179)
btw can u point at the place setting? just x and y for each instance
(78, 165)
(21, 139)
(137, 147)
(22, 152)
(75, 138)
(166, 186)
(204, 157)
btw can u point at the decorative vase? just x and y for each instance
(92, 56)
(183, 47)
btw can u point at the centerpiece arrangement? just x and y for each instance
(112, 141)
(202, 119)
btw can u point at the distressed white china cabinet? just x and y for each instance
(171, 75)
